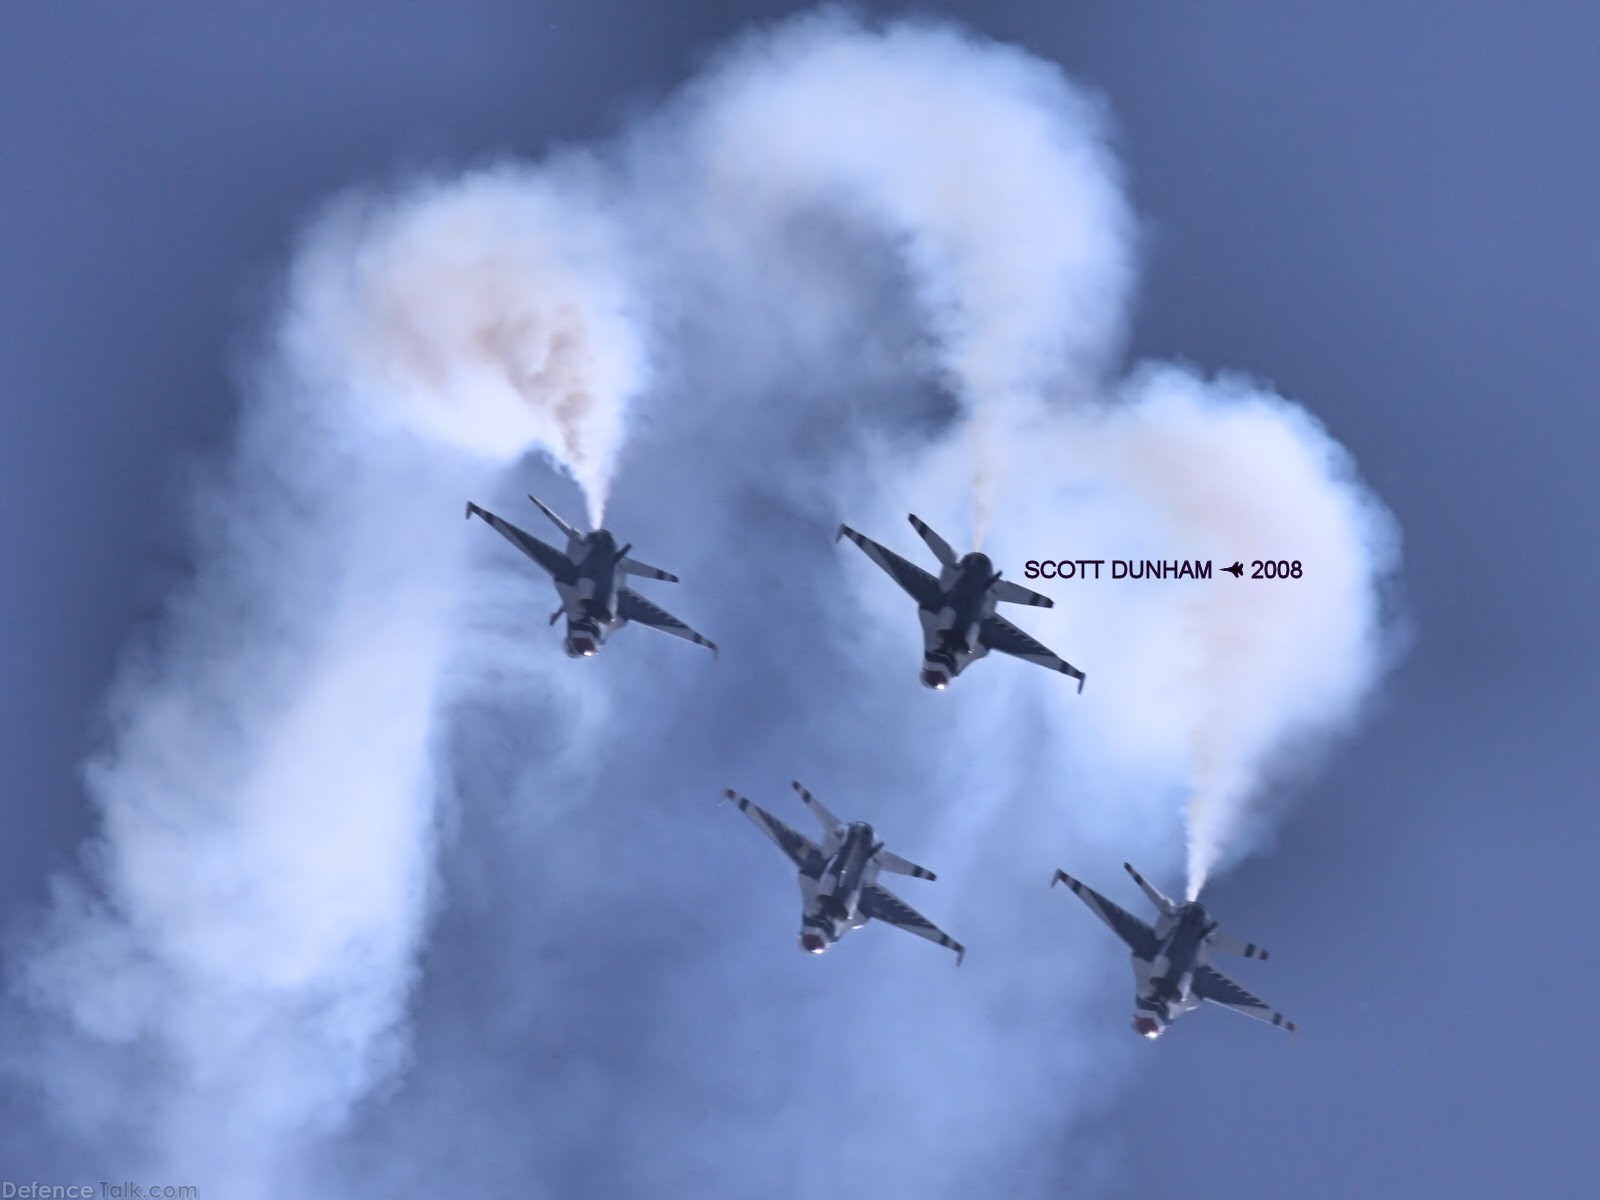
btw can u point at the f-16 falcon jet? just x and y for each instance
(957, 609)
(1171, 970)
(838, 879)
(590, 578)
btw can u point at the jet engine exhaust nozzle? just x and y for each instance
(1146, 1027)
(937, 680)
(580, 647)
(812, 943)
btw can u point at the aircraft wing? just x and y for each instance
(1211, 984)
(917, 583)
(548, 557)
(1141, 939)
(940, 547)
(997, 633)
(633, 607)
(884, 905)
(801, 850)
(556, 520)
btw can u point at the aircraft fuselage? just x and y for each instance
(832, 902)
(590, 601)
(1165, 983)
(950, 633)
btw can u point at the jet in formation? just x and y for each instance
(591, 579)
(957, 609)
(1171, 968)
(838, 879)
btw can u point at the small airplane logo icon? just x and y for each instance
(1237, 570)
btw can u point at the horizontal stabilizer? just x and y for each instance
(634, 567)
(1015, 593)
(890, 861)
(1222, 940)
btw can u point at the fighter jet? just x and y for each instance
(1170, 962)
(959, 623)
(591, 581)
(838, 879)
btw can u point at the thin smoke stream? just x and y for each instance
(353, 700)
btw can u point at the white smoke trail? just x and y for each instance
(1273, 666)
(988, 173)
(259, 882)
(489, 311)
(985, 165)
(985, 168)
(985, 474)
(270, 793)
(232, 972)
(1229, 682)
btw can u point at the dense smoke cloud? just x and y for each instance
(1271, 669)
(232, 971)
(885, 271)
(492, 312)
(1232, 684)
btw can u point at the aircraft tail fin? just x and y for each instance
(1149, 889)
(890, 861)
(940, 547)
(546, 510)
(1015, 593)
(644, 570)
(1221, 939)
(826, 819)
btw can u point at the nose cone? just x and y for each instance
(812, 943)
(935, 679)
(581, 647)
(1146, 1027)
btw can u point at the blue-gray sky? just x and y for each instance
(1387, 217)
